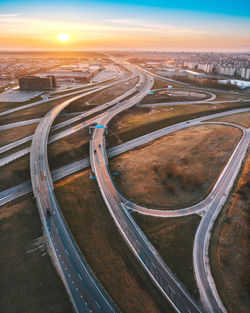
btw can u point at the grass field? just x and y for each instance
(227, 96)
(158, 84)
(103, 248)
(15, 173)
(173, 238)
(242, 119)
(29, 283)
(175, 95)
(36, 111)
(176, 170)
(139, 121)
(69, 149)
(13, 134)
(229, 247)
(4, 106)
(100, 97)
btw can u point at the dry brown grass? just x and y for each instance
(242, 119)
(220, 96)
(138, 121)
(11, 135)
(103, 248)
(15, 173)
(173, 238)
(158, 84)
(69, 149)
(4, 106)
(230, 247)
(173, 96)
(100, 97)
(36, 111)
(29, 282)
(177, 170)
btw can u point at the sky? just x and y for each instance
(215, 25)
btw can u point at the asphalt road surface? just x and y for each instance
(21, 189)
(160, 274)
(86, 293)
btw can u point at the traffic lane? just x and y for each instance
(140, 246)
(41, 165)
(11, 194)
(157, 271)
(76, 272)
(202, 269)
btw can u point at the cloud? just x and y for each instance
(157, 28)
(9, 15)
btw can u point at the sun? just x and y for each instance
(63, 37)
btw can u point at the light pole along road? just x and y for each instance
(86, 293)
(151, 261)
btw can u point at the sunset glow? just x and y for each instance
(63, 37)
(124, 25)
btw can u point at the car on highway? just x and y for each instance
(48, 212)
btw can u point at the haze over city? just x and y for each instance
(168, 25)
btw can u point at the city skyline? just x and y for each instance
(125, 25)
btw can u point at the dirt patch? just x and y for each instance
(229, 247)
(29, 282)
(103, 248)
(177, 170)
(173, 238)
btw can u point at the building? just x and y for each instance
(37, 83)
(76, 75)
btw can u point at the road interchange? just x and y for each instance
(100, 156)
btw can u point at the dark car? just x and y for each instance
(48, 212)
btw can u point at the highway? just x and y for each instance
(191, 102)
(160, 274)
(117, 206)
(201, 207)
(70, 130)
(85, 292)
(162, 78)
(85, 88)
(205, 282)
(21, 189)
(18, 124)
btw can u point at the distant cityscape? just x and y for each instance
(227, 64)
